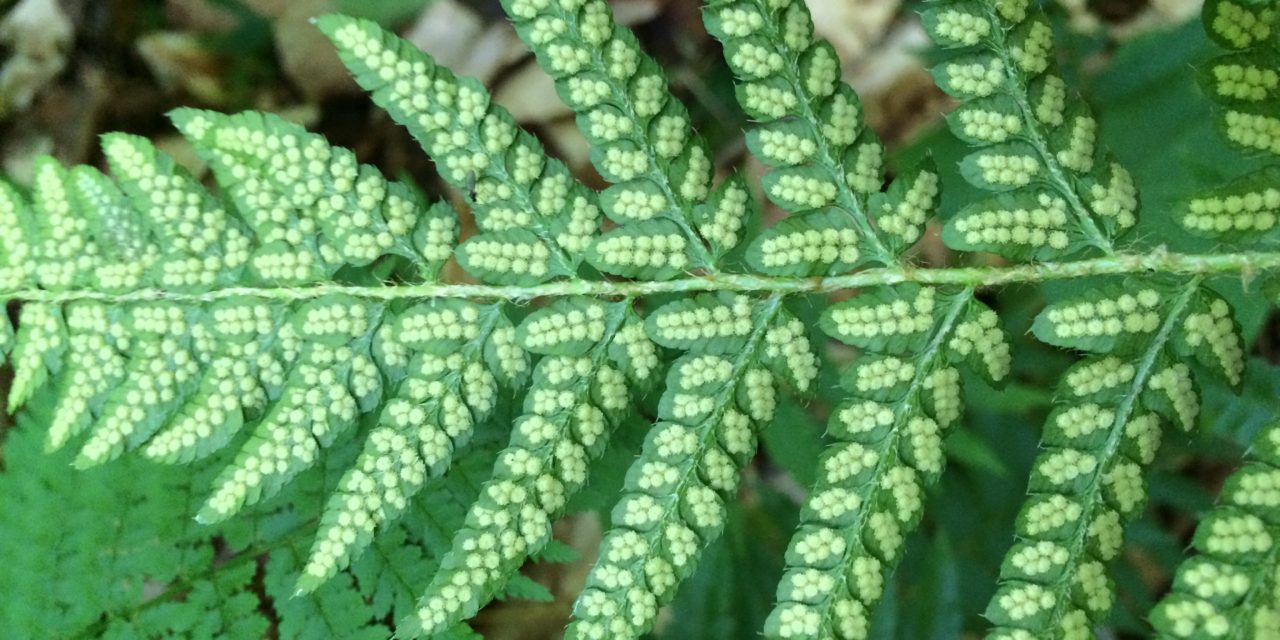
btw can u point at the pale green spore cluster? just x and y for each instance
(1175, 384)
(787, 347)
(971, 77)
(869, 321)
(1213, 331)
(1095, 375)
(1078, 152)
(1241, 208)
(981, 338)
(1253, 130)
(703, 318)
(960, 28)
(1031, 46)
(1229, 589)
(1115, 199)
(1006, 170)
(809, 246)
(1247, 82)
(584, 323)
(516, 256)
(988, 125)
(1038, 224)
(1241, 26)
(1106, 317)
(904, 217)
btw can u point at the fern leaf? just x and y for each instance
(572, 403)
(1228, 590)
(811, 134)
(536, 221)
(1034, 143)
(641, 138)
(673, 499)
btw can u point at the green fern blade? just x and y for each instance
(1089, 479)
(642, 138)
(571, 404)
(1228, 590)
(41, 341)
(1016, 111)
(813, 130)
(477, 145)
(427, 421)
(887, 451)
(675, 494)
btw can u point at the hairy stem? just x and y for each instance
(1245, 265)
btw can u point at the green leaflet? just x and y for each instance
(571, 404)
(673, 499)
(869, 492)
(1228, 589)
(717, 324)
(568, 327)
(810, 122)
(1238, 25)
(516, 186)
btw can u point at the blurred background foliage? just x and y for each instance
(73, 69)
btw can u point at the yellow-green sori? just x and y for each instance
(306, 306)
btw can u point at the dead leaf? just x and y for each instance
(852, 26)
(456, 37)
(39, 34)
(181, 62)
(307, 57)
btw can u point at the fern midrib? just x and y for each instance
(1093, 494)
(1246, 264)
(928, 360)
(1057, 177)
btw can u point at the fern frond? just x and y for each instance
(296, 333)
(826, 164)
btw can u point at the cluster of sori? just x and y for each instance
(904, 396)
